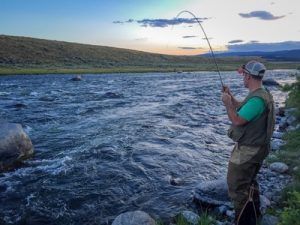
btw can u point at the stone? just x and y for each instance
(270, 82)
(214, 193)
(277, 135)
(279, 167)
(221, 209)
(281, 111)
(264, 203)
(176, 181)
(276, 144)
(134, 218)
(15, 145)
(190, 217)
(230, 213)
(269, 220)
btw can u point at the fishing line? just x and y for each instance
(212, 52)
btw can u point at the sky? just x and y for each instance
(154, 25)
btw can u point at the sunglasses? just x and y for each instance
(241, 70)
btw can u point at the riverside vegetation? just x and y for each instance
(23, 55)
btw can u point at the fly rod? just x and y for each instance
(212, 52)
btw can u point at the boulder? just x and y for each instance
(134, 218)
(270, 82)
(15, 145)
(212, 193)
(279, 167)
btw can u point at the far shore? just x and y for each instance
(21, 70)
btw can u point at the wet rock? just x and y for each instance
(281, 111)
(15, 145)
(190, 217)
(212, 193)
(277, 135)
(134, 218)
(269, 220)
(264, 203)
(176, 181)
(230, 214)
(279, 167)
(19, 106)
(221, 209)
(270, 82)
(276, 144)
(77, 78)
(111, 95)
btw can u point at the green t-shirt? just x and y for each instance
(252, 109)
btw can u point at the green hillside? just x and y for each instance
(23, 55)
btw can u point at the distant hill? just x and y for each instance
(38, 52)
(286, 55)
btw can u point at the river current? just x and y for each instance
(113, 143)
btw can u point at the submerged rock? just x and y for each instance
(134, 218)
(270, 82)
(213, 193)
(77, 78)
(15, 145)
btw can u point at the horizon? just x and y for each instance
(151, 26)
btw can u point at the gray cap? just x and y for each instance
(254, 68)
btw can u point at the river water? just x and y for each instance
(112, 143)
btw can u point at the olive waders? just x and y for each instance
(251, 148)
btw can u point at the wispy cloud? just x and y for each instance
(235, 41)
(263, 15)
(191, 36)
(162, 22)
(141, 39)
(253, 41)
(255, 46)
(189, 48)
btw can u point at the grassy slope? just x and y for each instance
(290, 215)
(22, 55)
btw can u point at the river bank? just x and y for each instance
(21, 70)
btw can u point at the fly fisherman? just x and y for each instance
(252, 127)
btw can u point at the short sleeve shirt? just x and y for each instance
(252, 110)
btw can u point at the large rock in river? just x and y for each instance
(212, 193)
(15, 145)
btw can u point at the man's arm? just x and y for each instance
(231, 110)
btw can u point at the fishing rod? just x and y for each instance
(212, 52)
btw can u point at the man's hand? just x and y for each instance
(226, 99)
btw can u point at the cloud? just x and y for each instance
(263, 15)
(192, 36)
(141, 39)
(118, 22)
(162, 22)
(268, 47)
(253, 41)
(189, 48)
(235, 41)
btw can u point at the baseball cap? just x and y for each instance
(253, 68)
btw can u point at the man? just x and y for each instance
(252, 127)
